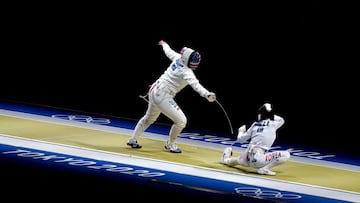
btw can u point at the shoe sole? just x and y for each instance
(134, 146)
(172, 151)
(266, 173)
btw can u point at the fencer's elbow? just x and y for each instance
(279, 118)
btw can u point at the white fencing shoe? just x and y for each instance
(172, 148)
(133, 144)
(265, 171)
(227, 155)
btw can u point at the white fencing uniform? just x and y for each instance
(262, 135)
(162, 92)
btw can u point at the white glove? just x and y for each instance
(242, 128)
(267, 107)
(241, 131)
(162, 42)
(211, 97)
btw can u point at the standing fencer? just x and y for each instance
(261, 136)
(161, 95)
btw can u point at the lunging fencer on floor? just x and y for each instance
(160, 96)
(261, 136)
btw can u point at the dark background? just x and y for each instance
(100, 58)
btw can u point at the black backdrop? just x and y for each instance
(100, 60)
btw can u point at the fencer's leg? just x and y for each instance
(243, 159)
(170, 143)
(230, 160)
(149, 118)
(174, 112)
(227, 157)
(174, 132)
(283, 157)
(139, 129)
(279, 158)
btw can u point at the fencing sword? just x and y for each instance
(226, 115)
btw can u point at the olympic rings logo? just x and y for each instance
(265, 194)
(83, 118)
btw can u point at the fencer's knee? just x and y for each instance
(148, 121)
(181, 123)
(241, 160)
(285, 155)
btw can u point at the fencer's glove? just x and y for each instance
(268, 107)
(162, 42)
(211, 97)
(241, 131)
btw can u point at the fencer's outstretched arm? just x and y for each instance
(279, 121)
(243, 135)
(170, 53)
(210, 96)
